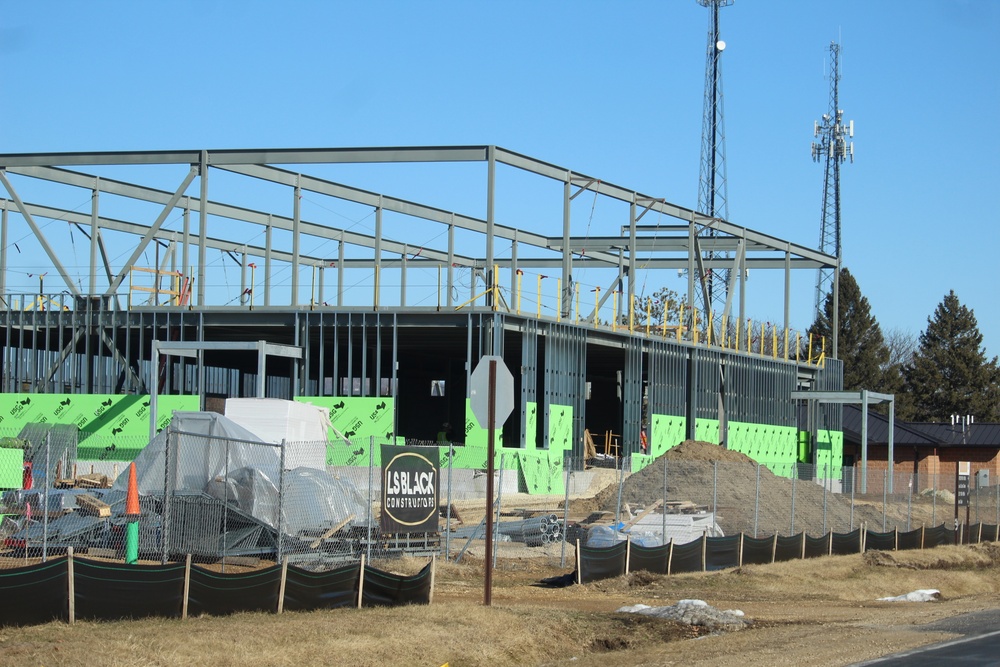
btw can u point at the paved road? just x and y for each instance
(979, 645)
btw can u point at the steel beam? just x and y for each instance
(38, 234)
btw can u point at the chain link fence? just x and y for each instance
(238, 502)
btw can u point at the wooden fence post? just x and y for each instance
(187, 587)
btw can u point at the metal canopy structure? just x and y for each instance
(196, 349)
(681, 245)
(864, 398)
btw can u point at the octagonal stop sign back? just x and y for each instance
(479, 392)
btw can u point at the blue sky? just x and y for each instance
(610, 89)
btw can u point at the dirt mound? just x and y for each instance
(699, 450)
(746, 497)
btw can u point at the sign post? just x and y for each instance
(491, 396)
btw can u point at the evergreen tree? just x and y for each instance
(860, 343)
(949, 373)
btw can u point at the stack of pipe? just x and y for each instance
(533, 532)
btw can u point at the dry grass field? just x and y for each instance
(818, 612)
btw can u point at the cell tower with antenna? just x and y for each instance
(712, 190)
(833, 146)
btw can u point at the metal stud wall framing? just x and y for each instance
(566, 375)
(529, 377)
(632, 394)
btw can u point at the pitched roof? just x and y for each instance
(878, 429)
(927, 434)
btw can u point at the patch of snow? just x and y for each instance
(922, 595)
(694, 612)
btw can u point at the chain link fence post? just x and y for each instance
(715, 494)
(909, 503)
(795, 474)
(663, 535)
(451, 475)
(756, 503)
(569, 477)
(854, 485)
(885, 491)
(45, 499)
(496, 522)
(225, 508)
(934, 489)
(826, 481)
(371, 500)
(281, 505)
(169, 442)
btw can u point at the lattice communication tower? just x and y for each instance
(833, 146)
(712, 190)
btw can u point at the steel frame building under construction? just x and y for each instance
(588, 360)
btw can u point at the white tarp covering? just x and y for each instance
(218, 457)
(302, 426)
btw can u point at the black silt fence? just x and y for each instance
(221, 594)
(880, 541)
(330, 589)
(649, 559)
(846, 543)
(382, 589)
(817, 546)
(601, 563)
(111, 591)
(758, 550)
(68, 588)
(788, 547)
(722, 552)
(687, 557)
(34, 594)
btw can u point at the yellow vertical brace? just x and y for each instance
(694, 324)
(725, 330)
(774, 341)
(649, 314)
(822, 353)
(786, 344)
(597, 303)
(711, 327)
(680, 322)
(631, 314)
(496, 288)
(663, 318)
(809, 359)
(558, 299)
(539, 296)
(798, 345)
(520, 275)
(749, 333)
(737, 341)
(614, 310)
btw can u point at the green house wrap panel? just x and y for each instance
(531, 426)
(707, 430)
(475, 436)
(666, 431)
(113, 427)
(541, 471)
(358, 417)
(829, 453)
(560, 427)
(11, 466)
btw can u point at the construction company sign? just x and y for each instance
(410, 489)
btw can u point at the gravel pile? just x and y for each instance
(695, 612)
